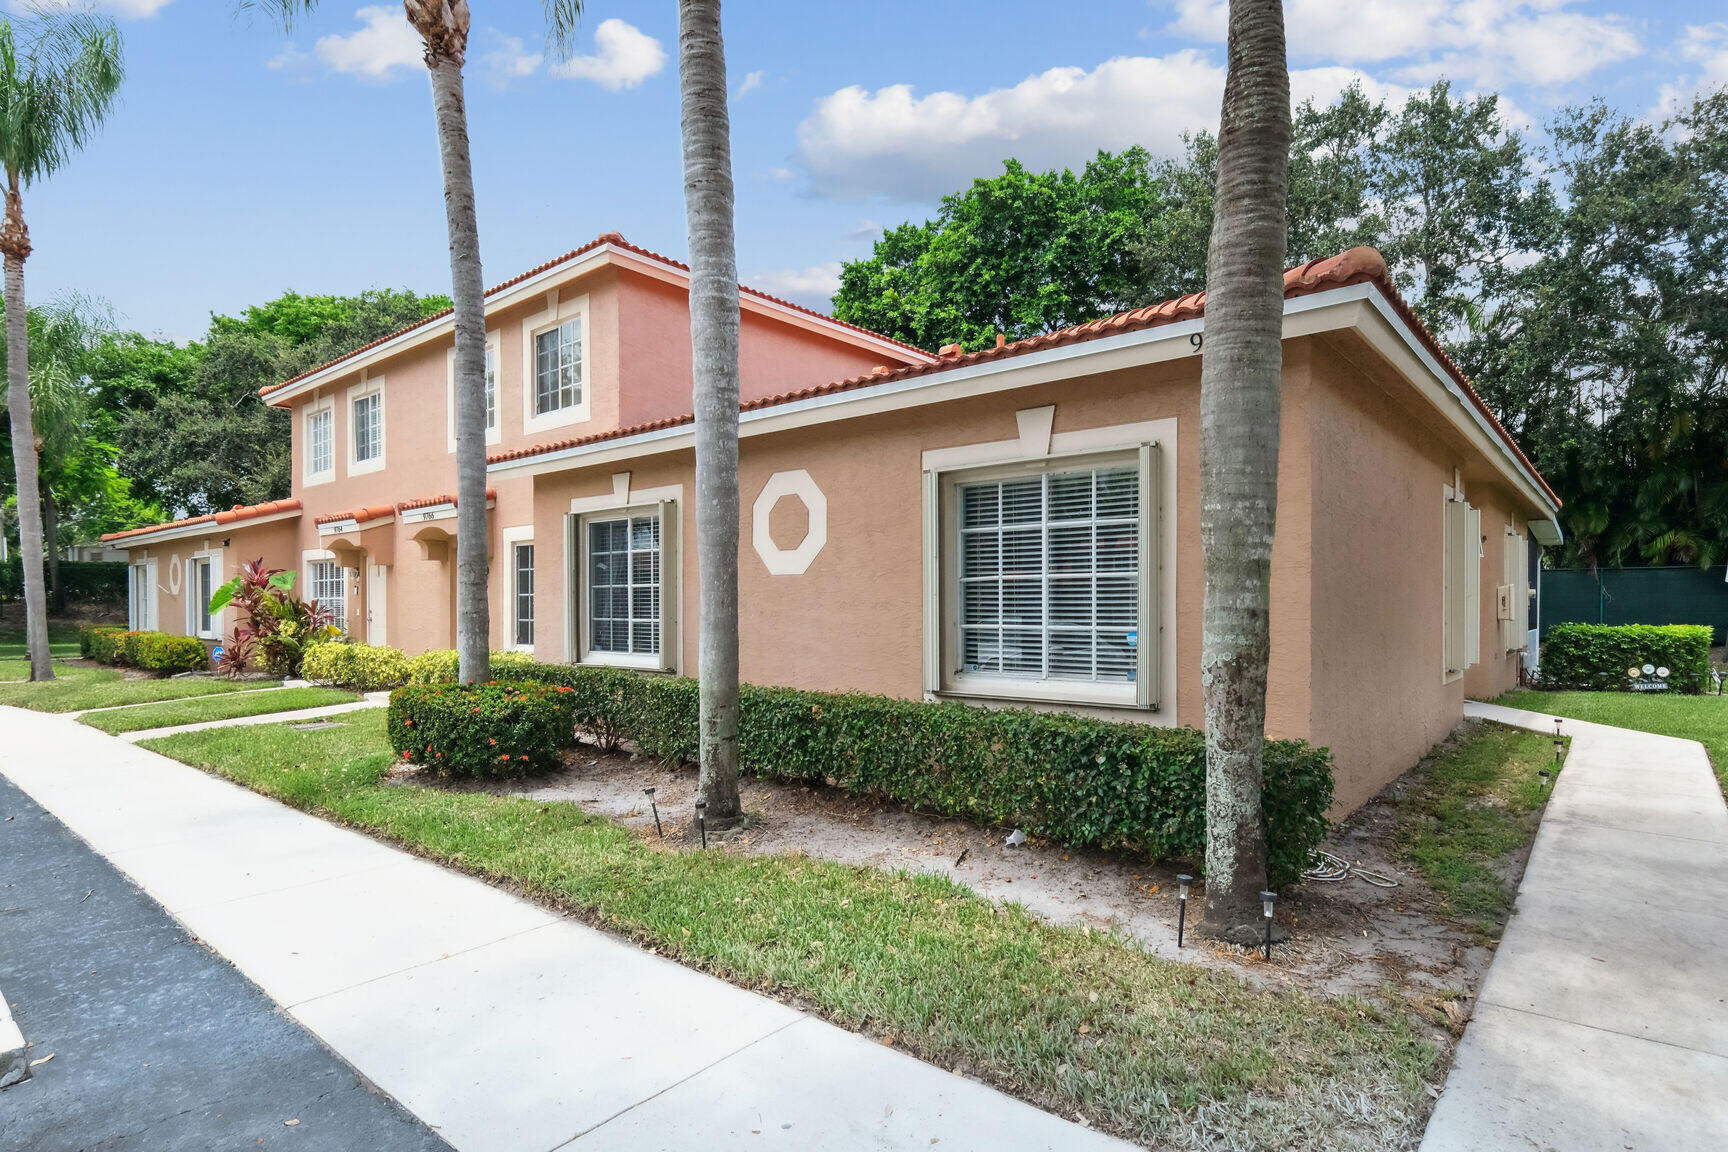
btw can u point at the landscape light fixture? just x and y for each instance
(1267, 899)
(1546, 778)
(702, 820)
(1182, 883)
(661, 831)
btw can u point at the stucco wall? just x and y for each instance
(1498, 670)
(233, 546)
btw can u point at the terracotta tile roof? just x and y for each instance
(432, 501)
(616, 240)
(230, 516)
(1355, 266)
(358, 515)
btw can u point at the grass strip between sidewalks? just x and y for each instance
(228, 706)
(78, 687)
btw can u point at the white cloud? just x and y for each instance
(813, 286)
(750, 83)
(1705, 45)
(511, 59)
(626, 56)
(1483, 42)
(384, 42)
(896, 143)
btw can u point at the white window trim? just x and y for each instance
(532, 327)
(303, 586)
(1152, 696)
(368, 386)
(522, 534)
(141, 617)
(194, 610)
(319, 404)
(621, 501)
(494, 434)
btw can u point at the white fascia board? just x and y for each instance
(538, 284)
(203, 528)
(1333, 309)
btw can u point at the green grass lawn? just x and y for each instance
(223, 707)
(1700, 718)
(1074, 1020)
(62, 641)
(75, 688)
(1467, 810)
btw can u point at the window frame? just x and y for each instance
(200, 622)
(368, 388)
(495, 353)
(141, 601)
(511, 539)
(579, 621)
(310, 592)
(1460, 587)
(324, 406)
(943, 674)
(532, 329)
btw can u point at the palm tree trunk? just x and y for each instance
(714, 379)
(473, 621)
(1240, 376)
(15, 242)
(51, 546)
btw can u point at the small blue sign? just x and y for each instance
(217, 652)
(1133, 639)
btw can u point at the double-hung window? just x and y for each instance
(492, 435)
(627, 589)
(369, 428)
(522, 594)
(200, 586)
(491, 389)
(558, 367)
(320, 443)
(1045, 580)
(328, 584)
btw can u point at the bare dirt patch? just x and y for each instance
(1347, 937)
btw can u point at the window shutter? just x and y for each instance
(1151, 617)
(932, 583)
(1472, 555)
(670, 599)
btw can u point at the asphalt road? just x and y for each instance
(157, 1043)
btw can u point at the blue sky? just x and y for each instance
(243, 163)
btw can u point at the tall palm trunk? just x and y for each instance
(714, 378)
(51, 545)
(15, 244)
(473, 621)
(1240, 378)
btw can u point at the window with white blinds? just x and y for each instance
(623, 585)
(328, 585)
(1049, 575)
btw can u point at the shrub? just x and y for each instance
(481, 730)
(160, 652)
(96, 641)
(1599, 655)
(439, 666)
(1076, 780)
(126, 647)
(366, 667)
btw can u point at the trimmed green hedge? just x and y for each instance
(439, 666)
(151, 651)
(90, 580)
(160, 652)
(1072, 779)
(1598, 656)
(481, 730)
(366, 667)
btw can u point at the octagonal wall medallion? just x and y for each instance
(798, 485)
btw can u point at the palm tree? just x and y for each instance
(1240, 376)
(443, 25)
(59, 74)
(714, 383)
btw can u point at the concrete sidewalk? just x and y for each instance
(502, 1025)
(299, 715)
(1603, 1023)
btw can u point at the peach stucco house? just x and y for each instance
(1014, 525)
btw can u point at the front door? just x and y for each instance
(377, 578)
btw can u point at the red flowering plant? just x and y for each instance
(481, 730)
(275, 626)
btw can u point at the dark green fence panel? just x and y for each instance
(1684, 595)
(80, 579)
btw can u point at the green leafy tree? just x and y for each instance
(59, 74)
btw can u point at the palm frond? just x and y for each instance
(563, 17)
(284, 13)
(60, 74)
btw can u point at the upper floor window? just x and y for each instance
(491, 393)
(558, 367)
(368, 428)
(320, 443)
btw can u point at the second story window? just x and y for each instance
(368, 428)
(320, 443)
(491, 388)
(558, 367)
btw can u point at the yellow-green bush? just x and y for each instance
(366, 667)
(439, 665)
